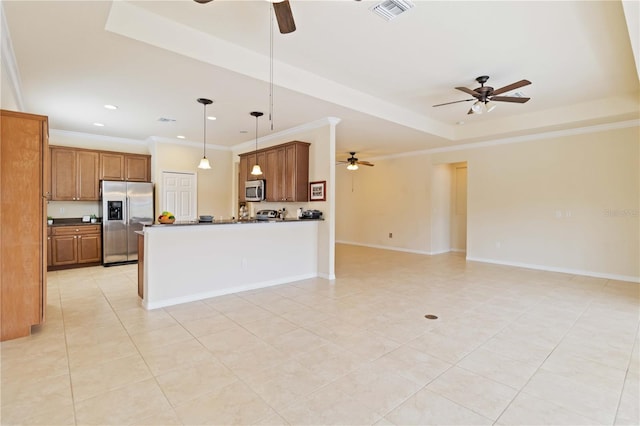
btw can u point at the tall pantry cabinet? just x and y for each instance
(24, 187)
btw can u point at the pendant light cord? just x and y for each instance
(204, 121)
(256, 139)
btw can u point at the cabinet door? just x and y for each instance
(89, 248)
(64, 249)
(137, 168)
(297, 174)
(111, 166)
(272, 174)
(87, 176)
(290, 169)
(63, 174)
(49, 252)
(242, 177)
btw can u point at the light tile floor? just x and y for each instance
(511, 346)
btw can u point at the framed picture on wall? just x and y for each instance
(318, 191)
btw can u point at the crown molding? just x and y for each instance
(518, 139)
(326, 121)
(170, 141)
(94, 137)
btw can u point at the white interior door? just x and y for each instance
(179, 195)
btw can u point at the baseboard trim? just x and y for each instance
(582, 272)
(406, 250)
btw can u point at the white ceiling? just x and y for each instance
(154, 58)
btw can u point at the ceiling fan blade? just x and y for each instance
(455, 102)
(202, 1)
(509, 99)
(284, 16)
(468, 91)
(470, 111)
(365, 163)
(512, 86)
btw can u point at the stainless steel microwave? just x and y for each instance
(254, 190)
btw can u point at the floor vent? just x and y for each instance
(390, 9)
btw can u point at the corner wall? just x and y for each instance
(565, 203)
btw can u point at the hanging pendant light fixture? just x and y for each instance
(256, 171)
(204, 163)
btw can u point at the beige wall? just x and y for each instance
(391, 197)
(214, 185)
(567, 203)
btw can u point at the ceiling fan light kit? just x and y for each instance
(352, 162)
(484, 96)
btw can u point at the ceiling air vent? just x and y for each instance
(166, 120)
(390, 9)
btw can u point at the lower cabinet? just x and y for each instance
(75, 245)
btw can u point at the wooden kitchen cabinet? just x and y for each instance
(49, 248)
(76, 245)
(125, 167)
(74, 174)
(23, 179)
(243, 172)
(111, 166)
(285, 168)
(137, 168)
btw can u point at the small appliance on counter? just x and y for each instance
(266, 215)
(205, 218)
(311, 214)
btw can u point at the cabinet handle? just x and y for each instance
(80, 237)
(74, 237)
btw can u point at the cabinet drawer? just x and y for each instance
(75, 230)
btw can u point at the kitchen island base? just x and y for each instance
(188, 263)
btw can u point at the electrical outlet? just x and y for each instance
(61, 209)
(390, 234)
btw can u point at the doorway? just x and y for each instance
(179, 195)
(459, 207)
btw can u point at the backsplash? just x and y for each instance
(68, 209)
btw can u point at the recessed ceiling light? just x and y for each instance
(181, 137)
(98, 124)
(244, 131)
(211, 117)
(108, 106)
(460, 123)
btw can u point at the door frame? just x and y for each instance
(161, 198)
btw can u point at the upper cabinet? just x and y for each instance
(122, 166)
(137, 168)
(74, 174)
(284, 167)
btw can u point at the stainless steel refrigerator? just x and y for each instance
(126, 207)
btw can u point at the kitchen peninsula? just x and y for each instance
(186, 262)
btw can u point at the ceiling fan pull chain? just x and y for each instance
(271, 67)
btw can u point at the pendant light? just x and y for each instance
(204, 163)
(256, 171)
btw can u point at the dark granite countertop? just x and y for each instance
(72, 221)
(234, 222)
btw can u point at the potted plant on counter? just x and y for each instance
(93, 218)
(49, 220)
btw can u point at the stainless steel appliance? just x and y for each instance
(266, 214)
(311, 214)
(254, 190)
(125, 208)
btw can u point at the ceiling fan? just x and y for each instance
(284, 16)
(484, 94)
(353, 162)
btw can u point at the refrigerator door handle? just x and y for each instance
(125, 216)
